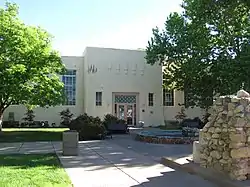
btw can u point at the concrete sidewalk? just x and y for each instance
(104, 163)
(111, 163)
(26, 148)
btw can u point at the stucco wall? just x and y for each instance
(169, 112)
(111, 77)
(52, 114)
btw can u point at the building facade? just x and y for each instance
(113, 81)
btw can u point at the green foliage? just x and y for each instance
(29, 66)
(66, 117)
(111, 119)
(88, 127)
(205, 49)
(181, 115)
(29, 116)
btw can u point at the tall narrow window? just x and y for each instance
(168, 97)
(69, 80)
(98, 98)
(150, 99)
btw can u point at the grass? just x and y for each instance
(31, 134)
(32, 171)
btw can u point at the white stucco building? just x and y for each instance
(116, 81)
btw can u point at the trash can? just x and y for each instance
(70, 143)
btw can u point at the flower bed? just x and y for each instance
(164, 140)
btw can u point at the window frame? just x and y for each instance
(150, 99)
(69, 81)
(98, 98)
(168, 94)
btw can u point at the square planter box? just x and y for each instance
(70, 143)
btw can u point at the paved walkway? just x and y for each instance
(155, 151)
(118, 166)
(111, 163)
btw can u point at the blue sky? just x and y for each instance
(76, 24)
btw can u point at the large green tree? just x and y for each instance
(205, 49)
(29, 67)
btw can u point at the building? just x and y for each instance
(116, 81)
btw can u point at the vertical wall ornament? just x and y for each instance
(92, 68)
(142, 70)
(134, 69)
(118, 69)
(126, 69)
(110, 67)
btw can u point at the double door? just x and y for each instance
(126, 112)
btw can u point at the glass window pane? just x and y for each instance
(69, 80)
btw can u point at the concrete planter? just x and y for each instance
(70, 143)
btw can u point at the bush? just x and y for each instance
(10, 124)
(111, 119)
(88, 127)
(66, 117)
(29, 117)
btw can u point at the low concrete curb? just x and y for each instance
(207, 174)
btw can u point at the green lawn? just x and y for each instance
(31, 134)
(32, 171)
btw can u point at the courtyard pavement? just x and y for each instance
(119, 162)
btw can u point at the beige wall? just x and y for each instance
(120, 71)
(169, 112)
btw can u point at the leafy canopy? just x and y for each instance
(29, 67)
(205, 49)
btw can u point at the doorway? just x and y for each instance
(126, 112)
(125, 108)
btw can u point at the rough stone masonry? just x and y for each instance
(225, 139)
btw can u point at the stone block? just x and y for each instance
(242, 152)
(238, 138)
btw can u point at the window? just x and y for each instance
(150, 99)
(69, 80)
(98, 98)
(168, 97)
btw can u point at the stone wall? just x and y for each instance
(225, 139)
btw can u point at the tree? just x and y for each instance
(66, 117)
(29, 118)
(29, 67)
(181, 115)
(205, 49)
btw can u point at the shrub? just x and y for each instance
(109, 119)
(88, 127)
(66, 117)
(10, 124)
(29, 117)
(181, 115)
